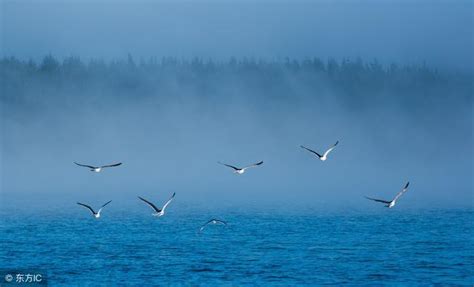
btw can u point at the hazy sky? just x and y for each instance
(439, 32)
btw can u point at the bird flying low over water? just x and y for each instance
(325, 155)
(98, 168)
(158, 212)
(95, 214)
(241, 170)
(212, 221)
(391, 203)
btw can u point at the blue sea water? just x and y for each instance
(390, 247)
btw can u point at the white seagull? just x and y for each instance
(98, 168)
(212, 221)
(240, 170)
(158, 212)
(391, 203)
(95, 214)
(325, 155)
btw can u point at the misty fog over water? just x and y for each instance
(237, 82)
(170, 120)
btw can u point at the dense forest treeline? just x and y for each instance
(354, 81)
(345, 71)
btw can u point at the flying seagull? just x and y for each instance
(212, 221)
(240, 170)
(98, 168)
(95, 214)
(325, 155)
(158, 212)
(391, 203)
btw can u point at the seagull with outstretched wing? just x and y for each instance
(98, 168)
(213, 222)
(325, 154)
(391, 203)
(158, 212)
(239, 170)
(95, 214)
